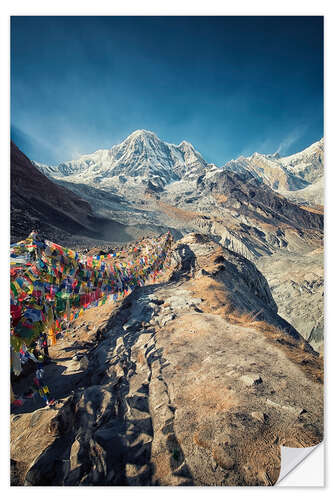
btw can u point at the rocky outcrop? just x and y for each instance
(195, 380)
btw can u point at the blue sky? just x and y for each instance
(228, 85)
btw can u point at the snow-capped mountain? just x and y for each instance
(141, 158)
(284, 174)
(145, 184)
(143, 161)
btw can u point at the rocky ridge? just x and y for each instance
(143, 161)
(194, 380)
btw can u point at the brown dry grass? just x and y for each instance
(213, 262)
(199, 440)
(295, 350)
(213, 397)
(219, 301)
(216, 298)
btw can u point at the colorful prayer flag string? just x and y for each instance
(50, 283)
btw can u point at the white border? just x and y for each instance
(147, 7)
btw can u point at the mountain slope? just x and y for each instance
(36, 201)
(247, 216)
(251, 205)
(312, 194)
(260, 200)
(297, 285)
(283, 239)
(308, 164)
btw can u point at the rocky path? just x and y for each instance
(138, 420)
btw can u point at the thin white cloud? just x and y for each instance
(268, 145)
(290, 139)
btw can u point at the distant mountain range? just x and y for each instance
(143, 160)
(246, 202)
(240, 304)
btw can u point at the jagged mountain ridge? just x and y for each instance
(309, 163)
(144, 159)
(290, 173)
(243, 194)
(142, 155)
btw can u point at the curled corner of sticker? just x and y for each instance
(292, 457)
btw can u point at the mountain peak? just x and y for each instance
(186, 143)
(140, 133)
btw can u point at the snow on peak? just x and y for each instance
(285, 174)
(141, 133)
(315, 148)
(142, 155)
